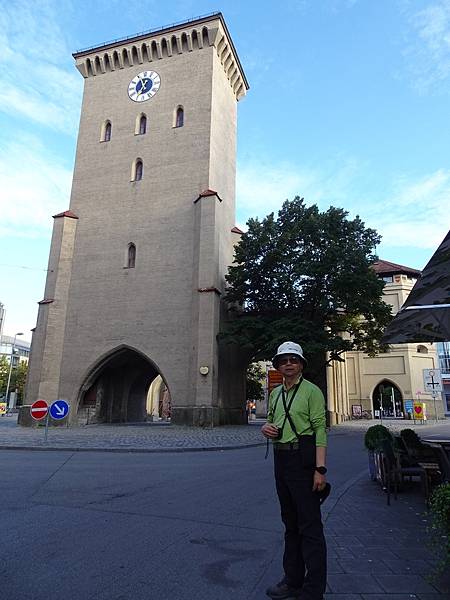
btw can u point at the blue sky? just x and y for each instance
(348, 106)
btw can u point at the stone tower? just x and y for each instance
(137, 263)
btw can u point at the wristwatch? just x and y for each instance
(321, 470)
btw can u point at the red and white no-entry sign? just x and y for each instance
(39, 410)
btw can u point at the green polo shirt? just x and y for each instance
(307, 412)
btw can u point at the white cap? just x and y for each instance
(289, 348)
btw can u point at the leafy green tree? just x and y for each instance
(306, 276)
(255, 378)
(18, 383)
(18, 378)
(4, 369)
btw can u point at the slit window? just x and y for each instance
(139, 170)
(131, 258)
(179, 118)
(108, 129)
(143, 125)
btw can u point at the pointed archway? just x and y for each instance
(115, 390)
(387, 401)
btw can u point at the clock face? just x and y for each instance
(144, 86)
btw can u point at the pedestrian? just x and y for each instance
(296, 425)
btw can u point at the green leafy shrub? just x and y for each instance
(439, 529)
(411, 438)
(375, 436)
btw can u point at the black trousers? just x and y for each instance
(305, 553)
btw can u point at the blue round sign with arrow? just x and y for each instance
(59, 409)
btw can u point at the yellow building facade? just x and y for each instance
(388, 384)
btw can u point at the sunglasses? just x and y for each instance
(289, 359)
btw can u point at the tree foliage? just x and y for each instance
(18, 377)
(254, 382)
(306, 276)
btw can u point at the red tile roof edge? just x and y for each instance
(46, 301)
(207, 193)
(66, 213)
(385, 266)
(237, 230)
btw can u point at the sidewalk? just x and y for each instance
(380, 552)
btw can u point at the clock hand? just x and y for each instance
(144, 84)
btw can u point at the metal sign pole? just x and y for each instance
(434, 403)
(46, 426)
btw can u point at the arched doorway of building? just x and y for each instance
(387, 401)
(116, 389)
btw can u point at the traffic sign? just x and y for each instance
(39, 410)
(59, 409)
(432, 380)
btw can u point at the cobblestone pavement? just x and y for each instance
(380, 552)
(155, 437)
(147, 437)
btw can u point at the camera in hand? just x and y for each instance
(279, 434)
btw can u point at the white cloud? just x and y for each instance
(263, 186)
(34, 186)
(37, 79)
(408, 213)
(415, 212)
(428, 48)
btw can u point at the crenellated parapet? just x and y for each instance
(150, 47)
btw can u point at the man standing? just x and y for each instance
(296, 425)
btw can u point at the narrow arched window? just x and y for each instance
(108, 128)
(179, 119)
(105, 132)
(142, 124)
(139, 170)
(131, 259)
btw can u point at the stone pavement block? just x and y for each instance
(409, 552)
(353, 584)
(369, 552)
(391, 597)
(404, 584)
(344, 553)
(412, 566)
(364, 566)
(432, 596)
(348, 540)
(333, 566)
(342, 597)
(441, 582)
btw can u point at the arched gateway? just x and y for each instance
(116, 389)
(387, 401)
(140, 262)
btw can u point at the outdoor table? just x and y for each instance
(443, 441)
(443, 447)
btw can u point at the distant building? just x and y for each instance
(2, 318)
(21, 349)
(385, 385)
(443, 350)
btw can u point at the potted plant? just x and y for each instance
(373, 440)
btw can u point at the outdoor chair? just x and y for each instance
(416, 450)
(393, 473)
(442, 457)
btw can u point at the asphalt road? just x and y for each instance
(97, 526)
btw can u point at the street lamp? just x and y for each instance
(10, 365)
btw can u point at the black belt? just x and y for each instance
(286, 446)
